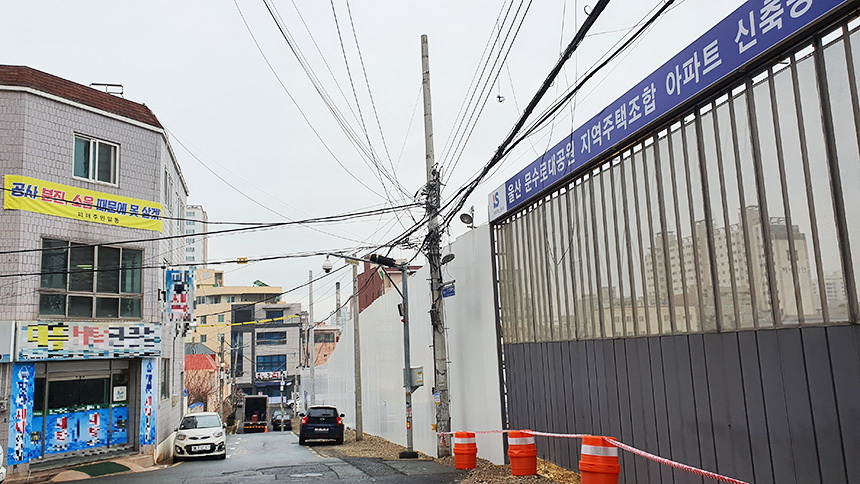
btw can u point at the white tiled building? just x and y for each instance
(197, 245)
(88, 178)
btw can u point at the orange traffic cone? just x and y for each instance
(465, 450)
(599, 461)
(523, 453)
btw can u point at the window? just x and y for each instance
(276, 314)
(165, 378)
(202, 319)
(189, 249)
(190, 240)
(220, 318)
(271, 363)
(189, 231)
(214, 299)
(96, 160)
(200, 422)
(231, 299)
(323, 337)
(274, 338)
(189, 258)
(202, 338)
(190, 222)
(90, 282)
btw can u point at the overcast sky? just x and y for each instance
(196, 65)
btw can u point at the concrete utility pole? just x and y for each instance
(409, 453)
(311, 342)
(356, 341)
(434, 255)
(337, 320)
(221, 364)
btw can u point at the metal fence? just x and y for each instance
(736, 215)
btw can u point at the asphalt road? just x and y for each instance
(277, 457)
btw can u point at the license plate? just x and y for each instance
(321, 430)
(197, 448)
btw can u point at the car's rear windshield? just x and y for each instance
(200, 422)
(322, 412)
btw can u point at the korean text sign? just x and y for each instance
(67, 340)
(748, 32)
(33, 195)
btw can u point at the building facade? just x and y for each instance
(696, 270)
(90, 185)
(197, 244)
(253, 332)
(375, 280)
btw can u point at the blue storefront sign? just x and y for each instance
(20, 445)
(148, 404)
(747, 33)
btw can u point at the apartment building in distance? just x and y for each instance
(196, 243)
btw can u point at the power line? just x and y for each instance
(508, 143)
(134, 267)
(331, 218)
(296, 104)
(487, 91)
(379, 171)
(557, 105)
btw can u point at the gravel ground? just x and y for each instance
(485, 473)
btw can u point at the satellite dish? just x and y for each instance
(466, 219)
(447, 258)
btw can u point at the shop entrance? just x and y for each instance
(81, 406)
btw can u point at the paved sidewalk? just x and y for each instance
(134, 463)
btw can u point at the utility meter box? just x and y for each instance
(416, 376)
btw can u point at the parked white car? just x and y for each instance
(2, 467)
(200, 435)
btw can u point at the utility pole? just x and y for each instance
(434, 256)
(337, 304)
(221, 364)
(311, 342)
(356, 341)
(409, 453)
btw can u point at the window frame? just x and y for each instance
(92, 175)
(94, 295)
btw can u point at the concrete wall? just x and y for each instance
(473, 371)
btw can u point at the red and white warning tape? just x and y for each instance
(671, 463)
(623, 446)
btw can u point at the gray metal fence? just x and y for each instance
(694, 295)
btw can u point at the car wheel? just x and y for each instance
(339, 440)
(222, 456)
(301, 440)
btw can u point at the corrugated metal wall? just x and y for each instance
(776, 406)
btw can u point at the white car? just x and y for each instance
(2, 467)
(200, 435)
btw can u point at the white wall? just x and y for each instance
(472, 351)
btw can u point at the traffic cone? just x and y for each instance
(465, 450)
(598, 463)
(523, 453)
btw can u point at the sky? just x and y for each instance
(238, 106)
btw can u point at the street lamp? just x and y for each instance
(408, 383)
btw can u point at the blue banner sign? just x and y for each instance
(748, 32)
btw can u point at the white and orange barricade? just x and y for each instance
(598, 462)
(465, 450)
(523, 453)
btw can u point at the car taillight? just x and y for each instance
(304, 420)
(339, 421)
